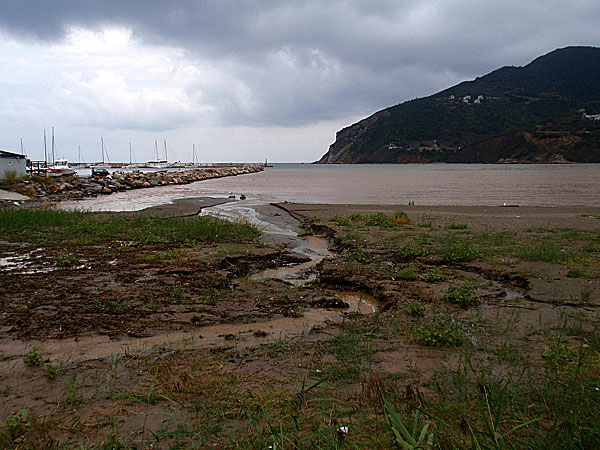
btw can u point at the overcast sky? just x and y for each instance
(249, 80)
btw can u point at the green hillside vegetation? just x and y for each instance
(532, 113)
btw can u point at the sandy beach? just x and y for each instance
(479, 218)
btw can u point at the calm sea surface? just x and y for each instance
(425, 184)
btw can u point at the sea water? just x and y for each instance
(425, 184)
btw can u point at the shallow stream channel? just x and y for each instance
(279, 227)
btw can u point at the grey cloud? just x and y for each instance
(296, 62)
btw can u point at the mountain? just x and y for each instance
(536, 113)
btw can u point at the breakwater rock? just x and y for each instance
(75, 187)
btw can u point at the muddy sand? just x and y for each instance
(169, 343)
(493, 218)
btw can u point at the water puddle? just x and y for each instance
(512, 294)
(28, 263)
(77, 350)
(312, 247)
(359, 302)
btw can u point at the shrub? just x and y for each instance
(66, 259)
(380, 219)
(358, 256)
(343, 221)
(407, 273)
(433, 275)
(409, 252)
(439, 330)
(307, 230)
(457, 226)
(400, 217)
(356, 217)
(17, 424)
(461, 295)
(32, 358)
(10, 176)
(51, 371)
(416, 309)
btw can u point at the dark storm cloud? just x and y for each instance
(301, 61)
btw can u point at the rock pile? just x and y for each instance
(74, 187)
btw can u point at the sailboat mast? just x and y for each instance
(102, 142)
(166, 157)
(156, 148)
(53, 156)
(194, 154)
(79, 153)
(130, 153)
(22, 153)
(45, 150)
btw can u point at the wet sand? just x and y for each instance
(479, 218)
(182, 207)
(270, 316)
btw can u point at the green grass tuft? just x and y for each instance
(458, 249)
(440, 330)
(461, 295)
(407, 273)
(457, 226)
(409, 252)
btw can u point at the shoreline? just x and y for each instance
(39, 189)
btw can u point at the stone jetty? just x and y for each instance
(75, 187)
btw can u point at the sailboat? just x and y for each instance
(58, 167)
(103, 165)
(195, 162)
(131, 167)
(158, 164)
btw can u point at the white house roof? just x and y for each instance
(5, 154)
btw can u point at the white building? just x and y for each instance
(452, 97)
(466, 99)
(12, 163)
